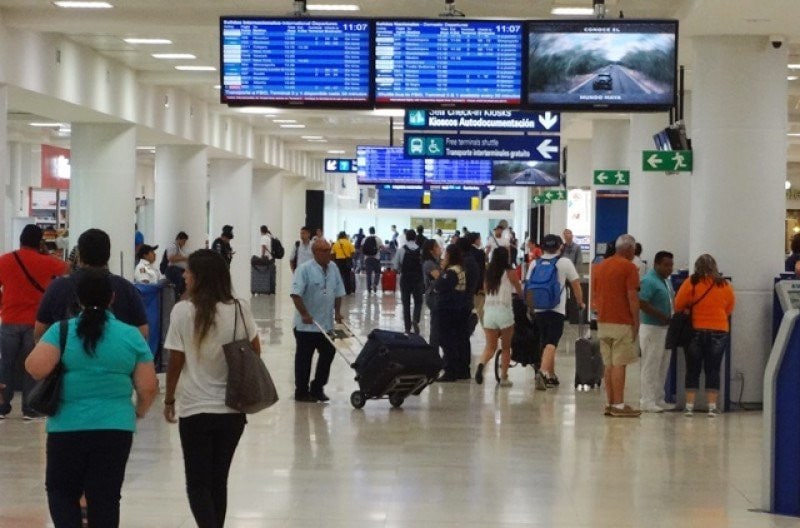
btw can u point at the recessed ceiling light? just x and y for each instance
(146, 148)
(292, 125)
(317, 140)
(794, 66)
(147, 41)
(218, 87)
(792, 78)
(336, 151)
(332, 7)
(258, 110)
(173, 56)
(46, 125)
(311, 137)
(572, 11)
(195, 68)
(793, 134)
(284, 120)
(72, 4)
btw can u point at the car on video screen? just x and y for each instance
(602, 82)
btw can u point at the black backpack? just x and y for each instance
(370, 247)
(277, 249)
(164, 263)
(411, 267)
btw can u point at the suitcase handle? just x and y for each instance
(581, 324)
(332, 337)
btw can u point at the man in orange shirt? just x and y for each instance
(617, 303)
(24, 275)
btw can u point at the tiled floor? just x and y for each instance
(460, 455)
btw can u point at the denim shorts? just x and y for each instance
(497, 317)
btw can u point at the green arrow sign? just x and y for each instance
(667, 160)
(612, 177)
(555, 194)
(541, 199)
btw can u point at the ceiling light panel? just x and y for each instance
(173, 56)
(572, 11)
(72, 4)
(332, 7)
(147, 41)
(292, 125)
(195, 68)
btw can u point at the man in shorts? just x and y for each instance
(616, 300)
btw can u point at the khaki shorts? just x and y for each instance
(617, 345)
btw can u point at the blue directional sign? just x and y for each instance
(441, 119)
(487, 147)
(341, 165)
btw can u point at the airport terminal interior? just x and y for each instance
(112, 116)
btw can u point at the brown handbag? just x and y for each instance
(250, 388)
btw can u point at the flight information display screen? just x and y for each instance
(442, 171)
(435, 62)
(295, 62)
(378, 165)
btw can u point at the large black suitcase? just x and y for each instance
(388, 354)
(526, 348)
(588, 362)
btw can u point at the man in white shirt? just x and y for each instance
(496, 239)
(302, 249)
(266, 253)
(439, 238)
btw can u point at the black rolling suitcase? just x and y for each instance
(588, 361)
(387, 355)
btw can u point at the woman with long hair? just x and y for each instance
(452, 313)
(498, 315)
(431, 269)
(711, 300)
(197, 377)
(90, 436)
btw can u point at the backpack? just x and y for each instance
(544, 284)
(370, 246)
(411, 267)
(277, 249)
(164, 263)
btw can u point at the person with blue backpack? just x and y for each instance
(545, 292)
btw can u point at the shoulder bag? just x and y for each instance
(250, 388)
(27, 274)
(680, 330)
(45, 397)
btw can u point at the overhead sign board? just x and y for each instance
(612, 177)
(488, 147)
(422, 119)
(667, 160)
(341, 165)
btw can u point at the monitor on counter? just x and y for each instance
(296, 62)
(606, 64)
(440, 63)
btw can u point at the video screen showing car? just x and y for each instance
(526, 173)
(602, 64)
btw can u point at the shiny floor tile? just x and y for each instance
(459, 455)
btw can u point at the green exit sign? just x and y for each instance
(541, 199)
(667, 160)
(612, 177)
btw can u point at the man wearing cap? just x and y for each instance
(496, 239)
(24, 276)
(222, 244)
(146, 271)
(550, 322)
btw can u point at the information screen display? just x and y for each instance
(602, 64)
(458, 172)
(433, 62)
(296, 62)
(378, 165)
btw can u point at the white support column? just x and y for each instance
(230, 190)
(103, 187)
(658, 203)
(181, 193)
(609, 151)
(267, 209)
(6, 207)
(738, 198)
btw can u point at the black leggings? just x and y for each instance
(90, 462)
(705, 353)
(208, 442)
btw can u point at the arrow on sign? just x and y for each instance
(654, 161)
(331, 165)
(548, 120)
(546, 149)
(602, 177)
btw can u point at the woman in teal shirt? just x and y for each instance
(89, 438)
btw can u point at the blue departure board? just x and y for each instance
(287, 61)
(441, 171)
(448, 62)
(377, 165)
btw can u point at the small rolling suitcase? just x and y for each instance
(260, 282)
(588, 361)
(389, 280)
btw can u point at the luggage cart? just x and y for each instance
(395, 385)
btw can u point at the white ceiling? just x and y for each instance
(192, 25)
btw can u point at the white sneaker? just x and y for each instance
(713, 413)
(666, 406)
(653, 408)
(505, 382)
(688, 412)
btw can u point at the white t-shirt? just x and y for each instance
(201, 386)
(146, 273)
(493, 242)
(566, 273)
(266, 240)
(503, 296)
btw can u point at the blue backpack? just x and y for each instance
(544, 284)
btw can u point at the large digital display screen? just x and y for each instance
(378, 165)
(443, 171)
(602, 64)
(526, 173)
(448, 62)
(295, 62)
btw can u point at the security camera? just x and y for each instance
(777, 41)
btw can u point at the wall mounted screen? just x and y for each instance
(526, 173)
(295, 62)
(442, 171)
(602, 64)
(448, 62)
(379, 165)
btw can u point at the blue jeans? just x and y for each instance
(16, 342)
(705, 354)
(373, 266)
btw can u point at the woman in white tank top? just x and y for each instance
(498, 315)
